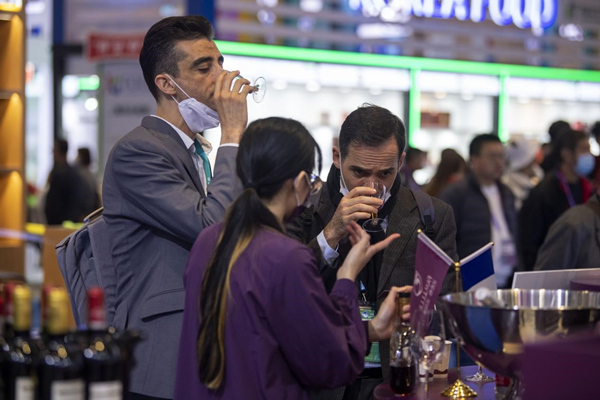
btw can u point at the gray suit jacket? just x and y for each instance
(573, 241)
(398, 264)
(154, 208)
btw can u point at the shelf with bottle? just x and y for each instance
(92, 364)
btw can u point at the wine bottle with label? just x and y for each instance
(60, 370)
(104, 364)
(7, 325)
(19, 351)
(403, 366)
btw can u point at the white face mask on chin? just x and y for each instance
(198, 116)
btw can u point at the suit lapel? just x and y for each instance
(174, 143)
(325, 209)
(401, 220)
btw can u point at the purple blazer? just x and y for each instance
(283, 333)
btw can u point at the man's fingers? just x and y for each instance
(219, 82)
(228, 79)
(365, 200)
(237, 85)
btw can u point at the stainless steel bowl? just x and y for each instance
(495, 336)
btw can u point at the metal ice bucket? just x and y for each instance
(495, 336)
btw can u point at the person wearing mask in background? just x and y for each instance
(159, 192)
(523, 172)
(561, 189)
(550, 161)
(371, 149)
(83, 163)
(415, 160)
(66, 190)
(573, 241)
(595, 176)
(484, 208)
(254, 298)
(452, 168)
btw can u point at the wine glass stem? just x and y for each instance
(427, 385)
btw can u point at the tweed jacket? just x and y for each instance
(398, 263)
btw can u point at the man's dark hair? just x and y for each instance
(478, 142)
(159, 54)
(567, 140)
(413, 153)
(557, 128)
(371, 125)
(84, 156)
(61, 146)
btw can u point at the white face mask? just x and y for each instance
(198, 116)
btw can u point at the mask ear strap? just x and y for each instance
(342, 174)
(178, 87)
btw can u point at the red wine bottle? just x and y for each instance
(403, 367)
(104, 365)
(19, 351)
(60, 369)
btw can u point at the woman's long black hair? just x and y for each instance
(272, 151)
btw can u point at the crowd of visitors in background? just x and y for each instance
(515, 194)
(539, 204)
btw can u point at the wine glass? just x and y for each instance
(259, 88)
(373, 224)
(480, 376)
(428, 341)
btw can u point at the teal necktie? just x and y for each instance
(206, 164)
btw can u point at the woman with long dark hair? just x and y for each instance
(258, 323)
(452, 168)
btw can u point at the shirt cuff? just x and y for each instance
(230, 145)
(329, 254)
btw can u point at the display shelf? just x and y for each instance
(11, 53)
(12, 136)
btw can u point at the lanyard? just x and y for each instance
(566, 188)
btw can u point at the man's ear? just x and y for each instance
(401, 160)
(165, 85)
(337, 157)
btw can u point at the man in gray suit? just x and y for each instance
(159, 192)
(371, 149)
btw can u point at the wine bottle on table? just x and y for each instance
(60, 370)
(19, 350)
(403, 367)
(104, 364)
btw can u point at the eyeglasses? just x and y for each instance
(314, 182)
